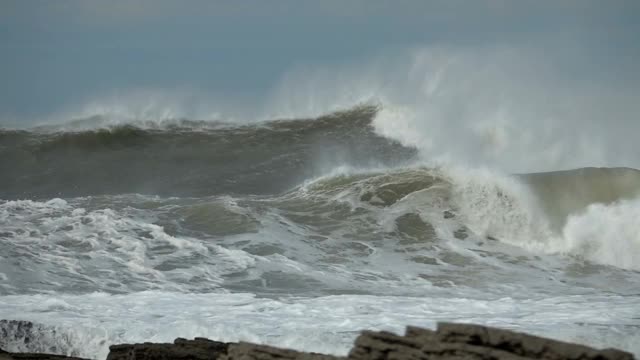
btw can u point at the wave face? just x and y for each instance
(188, 158)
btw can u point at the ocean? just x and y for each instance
(302, 231)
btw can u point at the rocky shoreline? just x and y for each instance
(448, 341)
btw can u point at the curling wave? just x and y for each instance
(188, 158)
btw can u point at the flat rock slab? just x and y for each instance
(463, 341)
(529, 346)
(197, 349)
(248, 351)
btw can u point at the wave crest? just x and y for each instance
(262, 158)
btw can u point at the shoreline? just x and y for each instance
(449, 341)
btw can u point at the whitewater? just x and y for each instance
(440, 186)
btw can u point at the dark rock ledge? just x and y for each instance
(449, 341)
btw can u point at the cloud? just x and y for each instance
(458, 14)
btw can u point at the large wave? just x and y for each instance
(340, 233)
(188, 158)
(512, 109)
(587, 213)
(449, 111)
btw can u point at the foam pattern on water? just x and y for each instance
(56, 246)
(608, 234)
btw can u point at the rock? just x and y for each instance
(247, 351)
(525, 345)
(5, 355)
(453, 351)
(371, 345)
(462, 341)
(419, 333)
(197, 349)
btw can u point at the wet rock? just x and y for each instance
(197, 349)
(520, 344)
(371, 345)
(247, 351)
(462, 341)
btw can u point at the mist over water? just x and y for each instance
(515, 110)
(481, 185)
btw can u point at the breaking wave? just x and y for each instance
(335, 234)
(589, 213)
(436, 198)
(188, 158)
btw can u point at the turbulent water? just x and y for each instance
(300, 233)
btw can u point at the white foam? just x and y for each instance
(506, 108)
(64, 247)
(501, 207)
(606, 234)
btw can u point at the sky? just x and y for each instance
(58, 54)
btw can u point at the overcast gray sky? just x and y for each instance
(56, 54)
